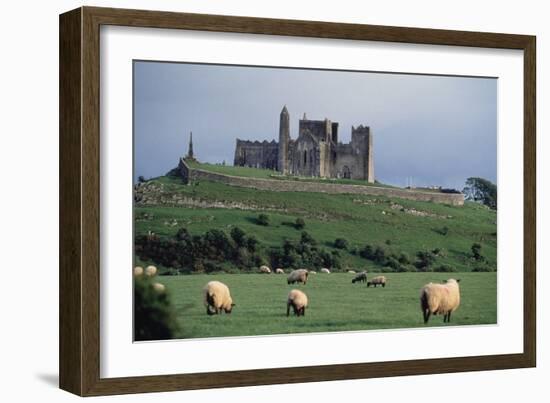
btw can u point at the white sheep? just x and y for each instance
(279, 271)
(376, 281)
(351, 271)
(442, 299)
(158, 287)
(138, 271)
(297, 276)
(298, 301)
(150, 271)
(265, 269)
(325, 270)
(312, 272)
(217, 298)
(360, 277)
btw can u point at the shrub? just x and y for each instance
(340, 243)
(299, 224)
(367, 252)
(404, 258)
(182, 234)
(483, 269)
(405, 268)
(379, 255)
(306, 238)
(239, 236)
(252, 243)
(393, 263)
(263, 219)
(154, 315)
(388, 241)
(425, 260)
(141, 179)
(443, 231)
(476, 251)
(445, 268)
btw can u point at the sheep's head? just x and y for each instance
(228, 310)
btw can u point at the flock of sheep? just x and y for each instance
(435, 299)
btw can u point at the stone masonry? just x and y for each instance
(316, 152)
(278, 185)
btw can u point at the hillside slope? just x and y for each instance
(164, 205)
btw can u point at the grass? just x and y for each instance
(233, 170)
(334, 303)
(359, 219)
(271, 174)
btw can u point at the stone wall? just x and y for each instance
(184, 170)
(276, 185)
(257, 154)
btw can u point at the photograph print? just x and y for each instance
(273, 201)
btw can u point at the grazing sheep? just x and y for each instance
(376, 281)
(138, 271)
(265, 269)
(279, 271)
(158, 287)
(297, 276)
(325, 270)
(360, 277)
(312, 272)
(150, 271)
(441, 299)
(298, 300)
(351, 271)
(217, 298)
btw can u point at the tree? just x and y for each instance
(252, 243)
(425, 260)
(239, 236)
(307, 239)
(154, 314)
(141, 179)
(263, 219)
(476, 251)
(340, 243)
(300, 223)
(482, 191)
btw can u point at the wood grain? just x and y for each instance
(80, 195)
(70, 271)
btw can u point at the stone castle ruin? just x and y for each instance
(315, 153)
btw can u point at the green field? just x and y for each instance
(360, 219)
(334, 303)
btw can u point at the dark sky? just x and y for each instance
(438, 130)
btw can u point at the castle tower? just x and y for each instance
(190, 155)
(284, 138)
(370, 159)
(362, 142)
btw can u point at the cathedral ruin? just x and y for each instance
(316, 152)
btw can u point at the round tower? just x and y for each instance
(284, 138)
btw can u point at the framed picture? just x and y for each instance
(250, 201)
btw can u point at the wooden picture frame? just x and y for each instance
(80, 199)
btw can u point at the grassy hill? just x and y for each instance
(271, 174)
(397, 226)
